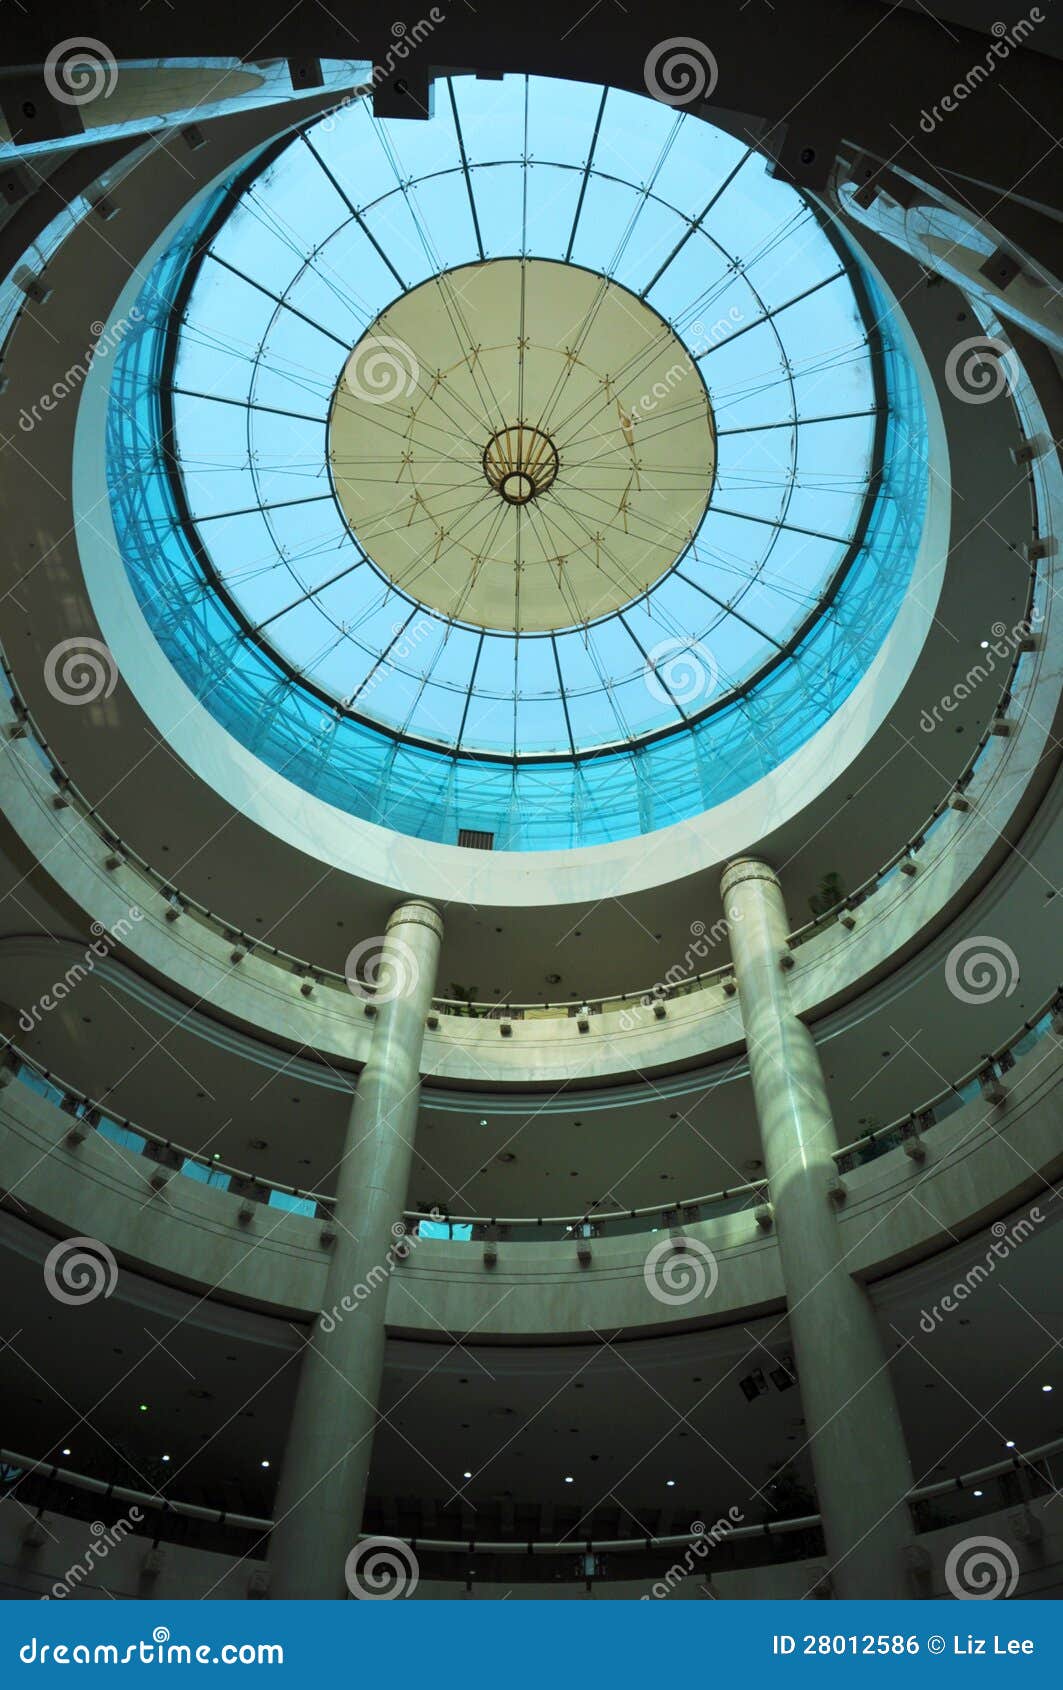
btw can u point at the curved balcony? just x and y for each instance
(977, 1149)
(216, 1553)
(685, 1017)
(680, 1020)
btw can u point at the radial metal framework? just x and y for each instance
(375, 684)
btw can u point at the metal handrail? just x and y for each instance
(91, 1110)
(521, 1546)
(1052, 1006)
(462, 1008)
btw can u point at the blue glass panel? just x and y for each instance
(124, 1137)
(332, 617)
(292, 1205)
(205, 1175)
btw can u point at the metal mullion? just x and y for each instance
(676, 250)
(396, 637)
(729, 609)
(468, 692)
(795, 422)
(465, 168)
(257, 510)
(586, 175)
(277, 300)
(309, 594)
(356, 214)
(774, 522)
(647, 659)
(562, 693)
(824, 282)
(247, 404)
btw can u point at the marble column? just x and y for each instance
(318, 1514)
(857, 1445)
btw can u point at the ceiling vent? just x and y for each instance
(475, 840)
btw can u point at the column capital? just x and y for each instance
(416, 913)
(742, 869)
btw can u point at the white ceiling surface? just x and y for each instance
(961, 16)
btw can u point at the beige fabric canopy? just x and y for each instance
(522, 444)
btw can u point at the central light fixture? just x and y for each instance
(577, 405)
(520, 463)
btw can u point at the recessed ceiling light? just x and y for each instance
(263, 1463)
(1010, 1444)
(165, 1458)
(569, 1480)
(466, 1475)
(670, 1483)
(985, 647)
(257, 1144)
(1046, 1387)
(143, 1407)
(64, 1452)
(977, 1493)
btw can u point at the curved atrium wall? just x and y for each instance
(151, 1085)
(294, 302)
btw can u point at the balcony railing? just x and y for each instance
(674, 986)
(131, 1140)
(1020, 1477)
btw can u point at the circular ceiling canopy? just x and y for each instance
(490, 454)
(545, 470)
(378, 313)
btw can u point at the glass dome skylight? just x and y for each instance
(534, 435)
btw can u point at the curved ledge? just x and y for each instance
(982, 1161)
(734, 1572)
(294, 1004)
(289, 1002)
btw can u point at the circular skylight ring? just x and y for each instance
(574, 711)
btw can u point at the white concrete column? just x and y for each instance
(857, 1444)
(326, 1465)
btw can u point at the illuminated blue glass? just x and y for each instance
(262, 596)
